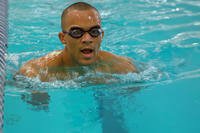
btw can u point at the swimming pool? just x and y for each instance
(162, 36)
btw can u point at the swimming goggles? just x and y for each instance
(76, 32)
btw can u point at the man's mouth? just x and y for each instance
(87, 52)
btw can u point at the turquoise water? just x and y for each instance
(162, 36)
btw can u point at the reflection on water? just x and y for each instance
(110, 107)
(38, 100)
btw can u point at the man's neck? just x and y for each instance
(68, 62)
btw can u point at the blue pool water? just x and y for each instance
(163, 38)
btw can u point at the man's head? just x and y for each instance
(81, 33)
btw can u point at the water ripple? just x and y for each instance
(186, 39)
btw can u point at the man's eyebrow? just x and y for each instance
(74, 27)
(96, 26)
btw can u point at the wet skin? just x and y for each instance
(78, 53)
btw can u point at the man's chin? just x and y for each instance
(87, 62)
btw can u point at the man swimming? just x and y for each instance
(81, 36)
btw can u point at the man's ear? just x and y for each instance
(61, 36)
(102, 34)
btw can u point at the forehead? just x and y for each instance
(81, 18)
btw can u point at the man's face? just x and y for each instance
(83, 50)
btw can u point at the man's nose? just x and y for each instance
(86, 38)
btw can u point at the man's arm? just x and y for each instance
(29, 69)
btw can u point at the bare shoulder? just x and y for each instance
(32, 67)
(119, 64)
(113, 57)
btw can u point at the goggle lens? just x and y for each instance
(79, 32)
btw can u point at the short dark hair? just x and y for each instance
(77, 6)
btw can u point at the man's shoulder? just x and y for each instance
(118, 63)
(52, 59)
(32, 67)
(49, 60)
(107, 56)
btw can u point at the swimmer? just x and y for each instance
(81, 36)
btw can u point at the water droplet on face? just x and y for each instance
(77, 15)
